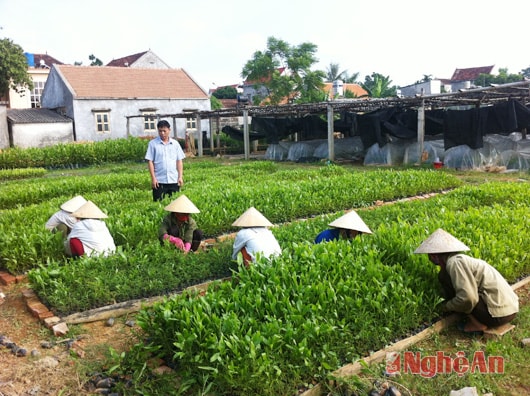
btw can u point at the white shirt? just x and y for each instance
(60, 217)
(256, 239)
(94, 235)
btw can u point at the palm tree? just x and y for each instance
(332, 73)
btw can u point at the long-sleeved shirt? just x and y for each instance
(60, 217)
(256, 240)
(472, 278)
(94, 235)
(180, 229)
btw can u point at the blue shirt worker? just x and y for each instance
(164, 158)
(345, 227)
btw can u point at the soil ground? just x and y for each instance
(61, 369)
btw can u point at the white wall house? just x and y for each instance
(38, 69)
(142, 60)
(99, 100)
(38, 128)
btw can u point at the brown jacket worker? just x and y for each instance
(178, 227)
(345, 227)
(471, 286)
(164, 159)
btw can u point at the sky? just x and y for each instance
(212, 40)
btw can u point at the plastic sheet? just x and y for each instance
(463, 158)
(344, 149)
(389, 154)
(278, 152)
(303, 150)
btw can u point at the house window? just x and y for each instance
(36, 94)
(102, 121)
(149, 121)
(191, 122)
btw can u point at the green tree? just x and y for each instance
(215, 103)
(526, 72)
(94, 61)
(13, 68)
(485, 80)
(333, 74)
(298, 83)
(378, 86)
(225, 93)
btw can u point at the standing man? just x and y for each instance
(164, 157)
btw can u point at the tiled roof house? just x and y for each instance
(38, 69)
(144, 60)
(101, 100)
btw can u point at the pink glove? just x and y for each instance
(187, 247)
(177, 242)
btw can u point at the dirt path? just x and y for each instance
(56, 370)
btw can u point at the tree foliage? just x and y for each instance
(378, 86)
(503, 77)
(94, 61)
(13, 68)
(333, 74)
(215, 103)
(225, 93)
(285, 72)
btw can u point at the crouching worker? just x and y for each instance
(62, 221)
(345, 227)
(254, 237)
(179, 228)
(470, 286)
(90, 235)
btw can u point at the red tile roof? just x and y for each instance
(126, 61)
(48, 60)
(127, 83)
(471, 73)
(354, 88)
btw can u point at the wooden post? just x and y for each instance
(199, 131)
(246, 138)
(421, 129)
(331, 141)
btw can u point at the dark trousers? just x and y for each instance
(480, 311)
(165, 190)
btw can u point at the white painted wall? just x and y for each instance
(85, 124)
(41, 135)
(4, 133)
(23, 100)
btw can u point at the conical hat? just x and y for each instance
(73, 204)
(89, 211)
(441, 241)
(252, 218)
(351, 221)
(182, 205)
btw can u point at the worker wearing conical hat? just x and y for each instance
(345, 227)
(254, 239)
(178, 227)
(62, 220)
(471, 286)
(90, 235)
